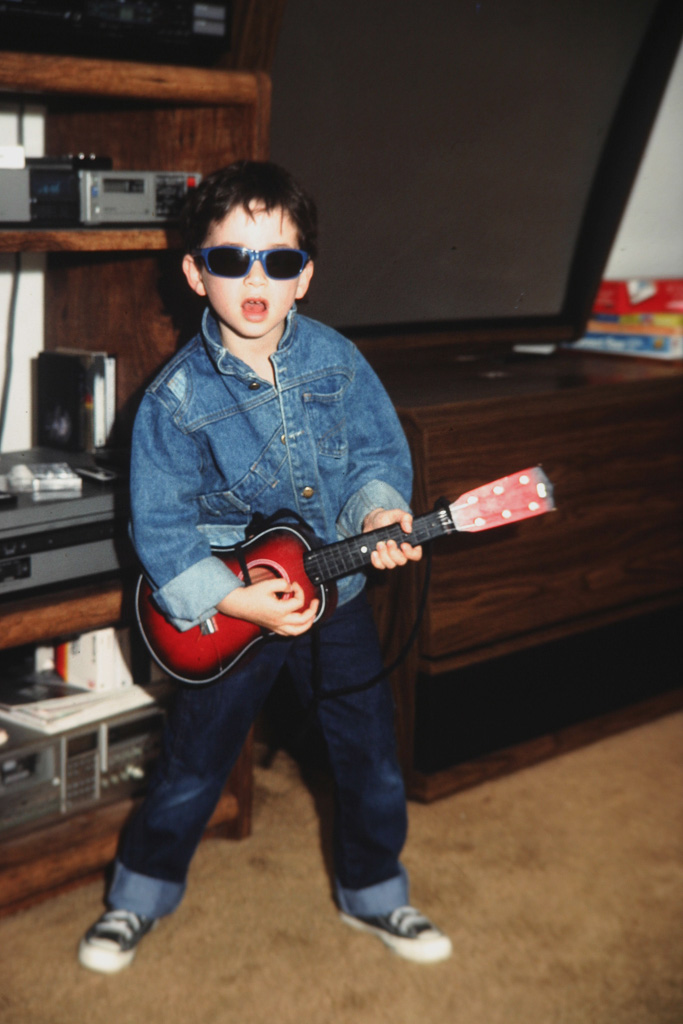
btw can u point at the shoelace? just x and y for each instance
(407, 919)
(119, 922)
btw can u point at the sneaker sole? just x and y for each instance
(106, 961)
(430, 951)
(103, 961)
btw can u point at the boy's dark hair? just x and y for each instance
(240, 185)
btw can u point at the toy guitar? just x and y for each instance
(208, 651)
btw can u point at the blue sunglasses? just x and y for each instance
(235, 261)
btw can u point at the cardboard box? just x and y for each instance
(640, 295)
(99, 660)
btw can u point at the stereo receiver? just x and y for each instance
(133, 197)
(47, 777)
(74, 192)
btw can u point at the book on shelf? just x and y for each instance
(651, 346)
(76, 399)
(639, 323)
(100, 660)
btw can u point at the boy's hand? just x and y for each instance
(388, 554)
(273, 604)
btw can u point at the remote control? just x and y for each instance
(103, 476)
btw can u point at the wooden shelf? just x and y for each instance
(83, 98)
(40, 74)
(41, 617)
(31, 239)
(45, 857)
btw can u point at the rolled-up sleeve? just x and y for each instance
(374, 494)
(186, 578)
(192, 596)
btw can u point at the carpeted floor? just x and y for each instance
(561, 886)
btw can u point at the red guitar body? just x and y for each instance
(201, 654)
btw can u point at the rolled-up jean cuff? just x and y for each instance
(381, 898)
(143, 895)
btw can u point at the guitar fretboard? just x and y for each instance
(333, 561)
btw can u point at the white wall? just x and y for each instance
(28, 330)
(650, 239)
(649, 243)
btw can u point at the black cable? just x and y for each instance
(260, 523)
(12, 311)
(9, 344)
(345, 691)
(316, 671)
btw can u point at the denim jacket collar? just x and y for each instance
(224, 361)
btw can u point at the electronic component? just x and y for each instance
(176, 31)
(133, 197)
(47, 538)
(79, 190)
(47, 777)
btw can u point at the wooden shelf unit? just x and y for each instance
(121, 290)
(117, 290)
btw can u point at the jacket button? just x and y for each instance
(283, 439)
(254, 385)
(307, 492)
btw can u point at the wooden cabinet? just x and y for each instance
(607, 431)
(119, 290)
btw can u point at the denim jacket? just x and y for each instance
(213, 443)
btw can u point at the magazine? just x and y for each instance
(45, 702)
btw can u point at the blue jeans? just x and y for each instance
(204, 735)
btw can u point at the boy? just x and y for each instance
(265, 409)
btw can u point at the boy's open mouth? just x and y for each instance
(254, 309)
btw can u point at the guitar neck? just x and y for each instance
(506, 500)
(333, 561)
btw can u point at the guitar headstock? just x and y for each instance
(507, 500)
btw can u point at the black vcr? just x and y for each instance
(174, 31)
(53, 539)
